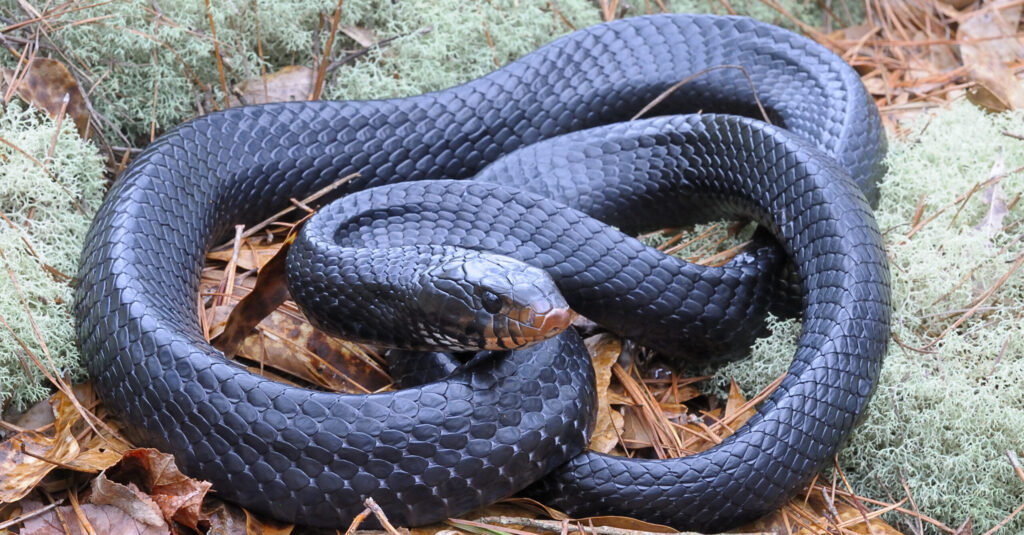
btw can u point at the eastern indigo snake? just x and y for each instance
(493, 428)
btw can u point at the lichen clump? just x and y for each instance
(49, 196)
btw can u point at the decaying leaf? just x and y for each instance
(101, 518)
(223, 518)
(270, 292)
(178, 496)
(364, 36)
(604, 352)
(250, 257)
(261, 330)
(127, 498)
(294, 82)
(255, 525)
(27, 457)
(47, 84)
(736, 411)
(285, 341)
(986, 55)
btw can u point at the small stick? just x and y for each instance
(28, 516)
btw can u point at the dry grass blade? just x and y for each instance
(30, 515)
(674, 87)
(278, 216)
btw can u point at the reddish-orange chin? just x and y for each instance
(530, 326)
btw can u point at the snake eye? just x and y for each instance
(491, 301)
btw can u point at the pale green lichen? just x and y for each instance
(46, 213)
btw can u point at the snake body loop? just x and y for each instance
(443, 448)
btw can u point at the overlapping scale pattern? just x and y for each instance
(444, 448)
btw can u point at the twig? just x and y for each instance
(220, 60)
(30, 515)
(321, 74)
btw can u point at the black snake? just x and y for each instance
(500, 424)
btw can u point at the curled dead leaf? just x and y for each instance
(47, 84)
(990, 37)
(604, 353)
(178, 496)
(26, 458)
(364, 36)
(127, 498)
(100, 519)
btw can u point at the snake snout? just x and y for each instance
(495, 302)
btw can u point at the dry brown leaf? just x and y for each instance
(636, 433)
(288, 343)
(27, 457)
(623, 522)
(250, 257)
(986, 57)
(364, 36)
(178, 496)
(46, 84)
(604, 352)
(223, 518)
(104, 519)
(735, 414)
(282, 339)
(270, 292)
(255, 525)
(21, 471)
(127, 498)
(294, 82)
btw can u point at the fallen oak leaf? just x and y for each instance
(178, 496)
(27, 457)
(737, 411)
(128, 498)
(294, 82)
(47, 84)
(270, 292)
(101, 518)
(222, 518)
(255, 525)
(986, 55)
(604, 352)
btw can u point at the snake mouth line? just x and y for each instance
(529, 327)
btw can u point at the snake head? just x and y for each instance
(488, 301)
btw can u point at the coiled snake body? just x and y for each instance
(499, 425)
